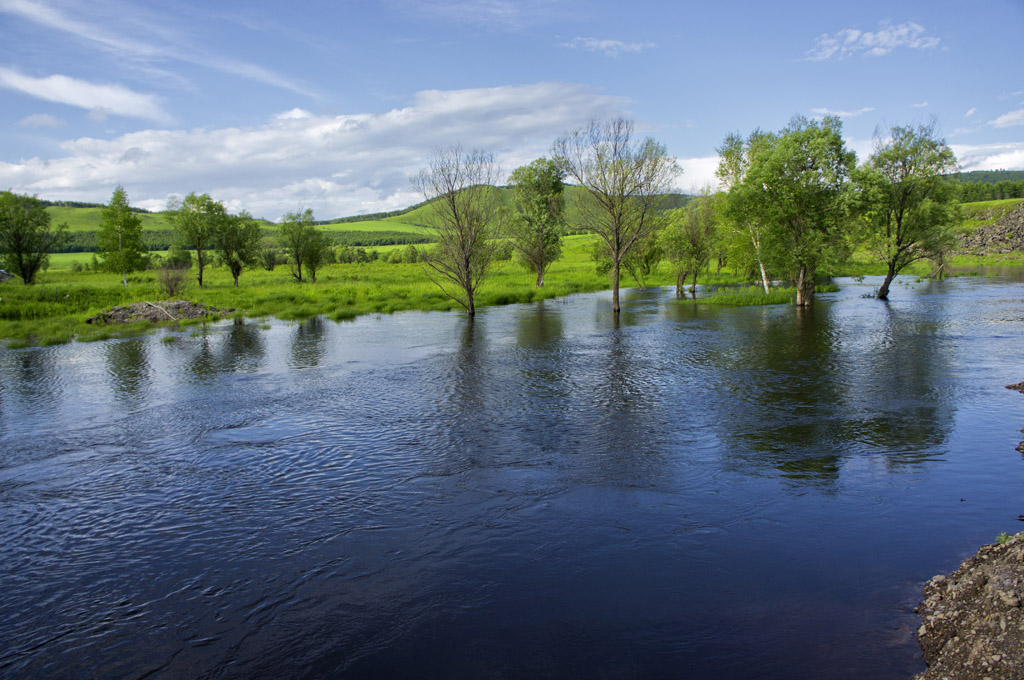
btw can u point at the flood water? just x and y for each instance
(692, 492)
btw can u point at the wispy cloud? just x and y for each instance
(1011, 119)
(501, 14)
(41, 120)
(970, 112)
(888, 37)
(161, 43)
(922, 105)
(337, 165)
(821, 112)
(612, 48)
(113, 99)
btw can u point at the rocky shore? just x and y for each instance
(973, 621)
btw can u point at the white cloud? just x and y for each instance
(62, 89)
(1011, 119)
(337, 165)
(1005, 156)
(697, 174)
(970, 112)
(612, 48)
(821, 112)
(851, 41)
(160, 42)
(919, 106)
(40, 120)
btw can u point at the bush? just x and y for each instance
(178, 257)
(173, 279)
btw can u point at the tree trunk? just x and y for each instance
(693, 288)
(124, 277)
(680, 284)
(470, 307)
(540, 278)
(199, 261)
(804, 287)
(764, 277)
(236, 278)
(615, 287)
(883, 292)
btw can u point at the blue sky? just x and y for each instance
(274, 107)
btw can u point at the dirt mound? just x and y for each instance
(1005, 236)
(973, 621)
(165, 310)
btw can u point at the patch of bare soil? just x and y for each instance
(973, 621)
(164, 310)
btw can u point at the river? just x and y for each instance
(689, 492)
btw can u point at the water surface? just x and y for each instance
(691, 492)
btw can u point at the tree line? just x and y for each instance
(795, 202)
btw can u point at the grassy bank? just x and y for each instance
(55, 309)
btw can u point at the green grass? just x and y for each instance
(750, 296)
(88, 219)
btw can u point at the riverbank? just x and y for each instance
(55, 310)
(973, 620)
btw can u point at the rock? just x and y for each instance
(1006, 235)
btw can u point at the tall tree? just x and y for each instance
(198, 220)
(536, 227)
(799, 185)
(908, 197)
(119, 238)
(691, 237)
(623, 180)
(735, 157)
(459, 188)
(26, 237)
(238, 243)
(305, 245)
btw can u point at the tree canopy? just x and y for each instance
(26, 237)
(535, 228)
(119, 239)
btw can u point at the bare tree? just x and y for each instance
(624, 182)
(459, 188)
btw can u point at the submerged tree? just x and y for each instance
(909, 198)
(798, 184)
(691, 238)
(198, 219)
(119, 238)
(623, 181)
(458, 186)
(26, 237)
(535, 230)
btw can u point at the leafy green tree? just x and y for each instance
(536, 227)
(119, 238)
(908, 198)
(749, 230)
(798, 184)
(459, 188)
(623, 181)
(691, 237)
(305, 245)
(198, 220)
(26, 237)
(238, 243)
